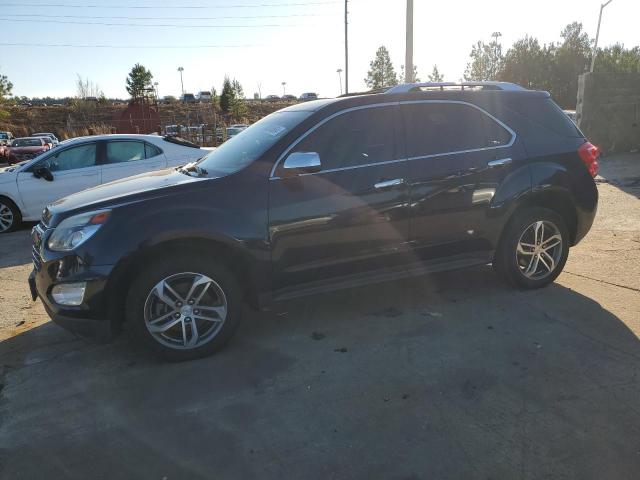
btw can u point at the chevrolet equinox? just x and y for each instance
(319, 196)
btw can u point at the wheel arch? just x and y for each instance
(232, 256)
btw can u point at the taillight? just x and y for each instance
(589, 154)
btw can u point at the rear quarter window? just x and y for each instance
(545, 113)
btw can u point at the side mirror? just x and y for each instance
(304, 162)
(43, 172)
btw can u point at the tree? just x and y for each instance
(435, 75)
(617, 59)
(381, 72)
(238, 106)
(227, 95)
(86, 88)
(571, 59)
(414, 78)
(486, 60)
(530, 65)
(5, 88)
(138, 81)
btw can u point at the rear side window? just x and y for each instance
(354, 138)
(151, 150)
(119, 152)
(545, 112)
(436, 128)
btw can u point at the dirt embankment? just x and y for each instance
(67, 121)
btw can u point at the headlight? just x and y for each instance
(76, 230)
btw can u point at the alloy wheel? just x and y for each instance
(185, 310)
(539, 250)
(6, 217)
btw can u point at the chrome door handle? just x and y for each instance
(499, 163)
(388, 183)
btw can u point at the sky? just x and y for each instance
(263, 43)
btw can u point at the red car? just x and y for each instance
(26, 148)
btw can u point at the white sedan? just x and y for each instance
(82, 163)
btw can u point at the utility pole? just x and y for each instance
(408, 60)
(346, 48)
(595, 45)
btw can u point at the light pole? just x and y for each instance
(595, 45)
(284, 89)
(180, 69)
(155, 84)
(340, 79)
(408, 59)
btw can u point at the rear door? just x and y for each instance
(123, 158)
(73, 168)
(458, 155)
(349, 218)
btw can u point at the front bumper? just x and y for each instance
(91, 318)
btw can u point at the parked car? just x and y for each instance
(81, 163)
(54, 139)
(289, 98)
(306, 97)
(204, 96)
(572, 115)
(5, 138)
(272, 98)
(26, 148)
(187, 98)
(314, 198)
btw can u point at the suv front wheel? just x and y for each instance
(184, 308)
(533, 249)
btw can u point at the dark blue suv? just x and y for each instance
(319, 196)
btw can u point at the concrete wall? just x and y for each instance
(608, 110)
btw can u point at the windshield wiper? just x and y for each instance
(190, 168)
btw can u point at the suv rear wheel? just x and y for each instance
(184, 308)
(533, 249)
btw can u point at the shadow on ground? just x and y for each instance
(450, 376)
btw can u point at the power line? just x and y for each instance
(125, 17)
(109, 24)
(70, 45)
(160, 7)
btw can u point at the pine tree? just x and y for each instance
(435, 75)
(381, 73)
(138, 81)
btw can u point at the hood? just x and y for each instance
(8, 174)
(128, 189)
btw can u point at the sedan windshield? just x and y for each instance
(248, 145)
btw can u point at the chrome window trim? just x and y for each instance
(385, 104)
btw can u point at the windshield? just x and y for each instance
(251, 143)
(3, 136)
(27, 142)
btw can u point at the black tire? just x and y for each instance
(9, 210)
(170, 266)
(509, 264)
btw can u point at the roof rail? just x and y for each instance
(413, 87)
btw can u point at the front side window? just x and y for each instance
(121, 152)
(72, 158)
(436, 128)
(359, 137)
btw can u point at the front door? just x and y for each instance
(73, 168)
(124, 158)
(351, 216)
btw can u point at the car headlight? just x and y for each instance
(76, 230)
